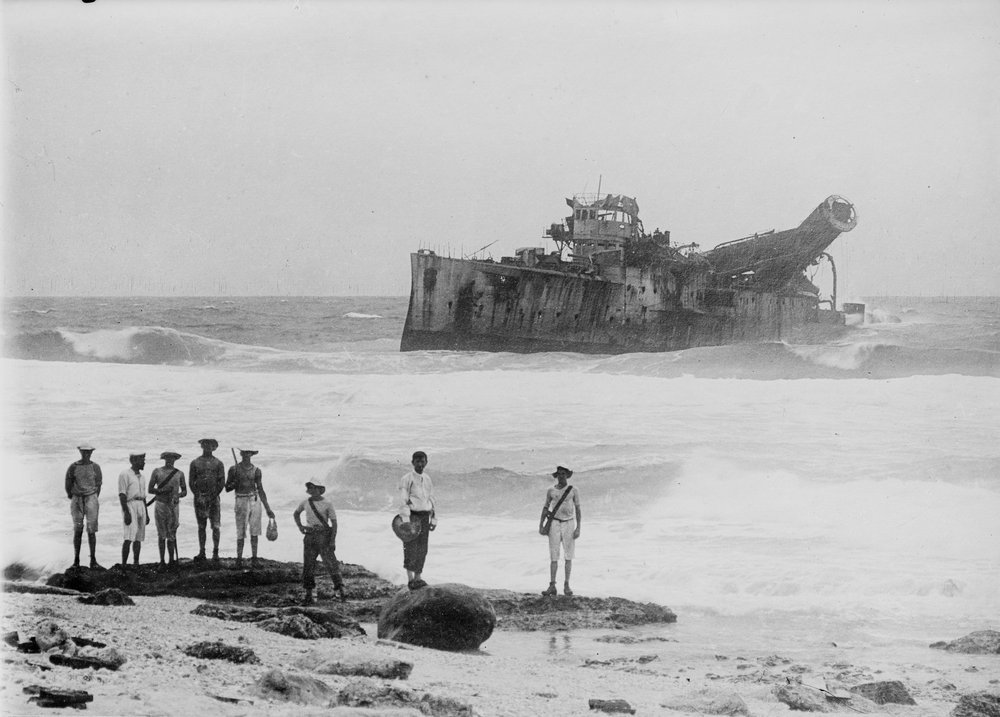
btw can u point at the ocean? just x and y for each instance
(850, 488)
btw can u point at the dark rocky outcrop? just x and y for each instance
(709, 702)
(307, 623)
(220, 651)
(978, 704)
(371, 693)
(443, 617)
(882, 693)
(290, 687)
(353, 667)
(274, 585)
(518, 611)
(45, 696)
(612, 706)
(107, 659)
(107, 596)
(981, 642)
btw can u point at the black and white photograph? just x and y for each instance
(501, 359)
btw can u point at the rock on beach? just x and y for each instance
(443, 617)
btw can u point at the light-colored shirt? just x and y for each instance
(130, 485)
(415, 493)
(567, 509)
(325, 509)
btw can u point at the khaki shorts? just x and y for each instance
(88, 506)
(248, 510)
(561, 533)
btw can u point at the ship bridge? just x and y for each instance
(601, 223)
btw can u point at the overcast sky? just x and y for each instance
(308, 147)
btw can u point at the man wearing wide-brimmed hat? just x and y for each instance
(319, 539)
(207, 477)
(83, 488)
(562, 513)
(167, 484)
(135, 517)
(246, 479)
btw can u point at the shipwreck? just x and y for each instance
(610, 287)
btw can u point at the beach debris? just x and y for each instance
(807, 698)
(220, 651)
(107, 659)
(613, 661)
(298, 626)
(53, 697)
(13, 586)
(981, 642)
(290, 687)
(307, 623)
(355, 667)
(364, 692)
(978, 704)
(442, 617)
(21, 643)
(107, 596)
(612, 706)
(49, 635)
(632, 640)
(709, 701)
(231, 699)
(885, 692)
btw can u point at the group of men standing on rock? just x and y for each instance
(315, 517)
(207, 480)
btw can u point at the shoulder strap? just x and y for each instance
(322, 520)
(561, 499)
(168, 478)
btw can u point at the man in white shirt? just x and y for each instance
(416, 493)
(560, 520)
(132, 495)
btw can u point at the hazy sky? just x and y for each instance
(308, 147)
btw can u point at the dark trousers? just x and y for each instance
(319, 544)
(415, 552)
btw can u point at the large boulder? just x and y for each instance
(444, 617)
(981, 642)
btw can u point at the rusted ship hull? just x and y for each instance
(464, 305)
(623, 290)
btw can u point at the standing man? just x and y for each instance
(83, 488)
(167, 484)
(319, 539)
(416, 494)
(132, 495)
(245, 479)
(208, 479)
(564, 526)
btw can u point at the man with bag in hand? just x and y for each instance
(245, 478)
(561, 522)
(319, 539)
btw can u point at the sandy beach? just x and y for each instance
(657, 670)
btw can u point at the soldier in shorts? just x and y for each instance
(207, 478)
(167, 484)
(245, 478)
(83, 488)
